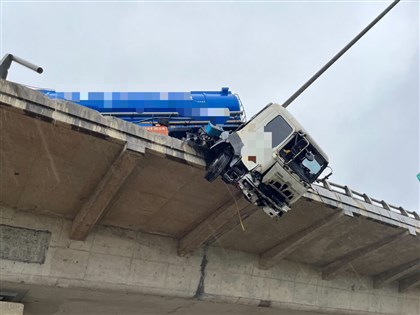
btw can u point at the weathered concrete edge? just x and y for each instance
(91, 285)
(283, 305)
(151, 291)
(81, 118)
(335, 200)
(133, 289)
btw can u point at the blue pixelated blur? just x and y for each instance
(179, 108)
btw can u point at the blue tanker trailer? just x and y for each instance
(180, 112)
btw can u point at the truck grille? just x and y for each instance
(282, 189)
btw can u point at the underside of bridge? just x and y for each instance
(64, 161)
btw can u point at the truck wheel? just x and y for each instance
(217, 166)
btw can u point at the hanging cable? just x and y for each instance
(237, 207)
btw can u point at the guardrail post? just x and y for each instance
(385, 205)
(367, 198)
(403, 212)
(348, 191)
(326, 184)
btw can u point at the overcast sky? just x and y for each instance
(364, 112)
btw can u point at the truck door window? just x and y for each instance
(303, 158)
(279, 129)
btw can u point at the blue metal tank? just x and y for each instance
(195, 108)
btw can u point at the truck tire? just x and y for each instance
(218, 165)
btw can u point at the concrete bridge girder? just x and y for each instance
(396, 273)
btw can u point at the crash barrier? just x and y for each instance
(345, 190)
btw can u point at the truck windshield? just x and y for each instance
(303, 158)
(279, 129)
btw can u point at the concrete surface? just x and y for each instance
(10, 308)
(43, 300)
(127, 262)
(63, 171)
(25, 245)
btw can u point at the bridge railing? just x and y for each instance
(345, 190)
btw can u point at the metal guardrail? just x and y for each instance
(345, 190)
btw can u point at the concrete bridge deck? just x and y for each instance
(63, 161)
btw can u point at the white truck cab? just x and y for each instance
(271, 159)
